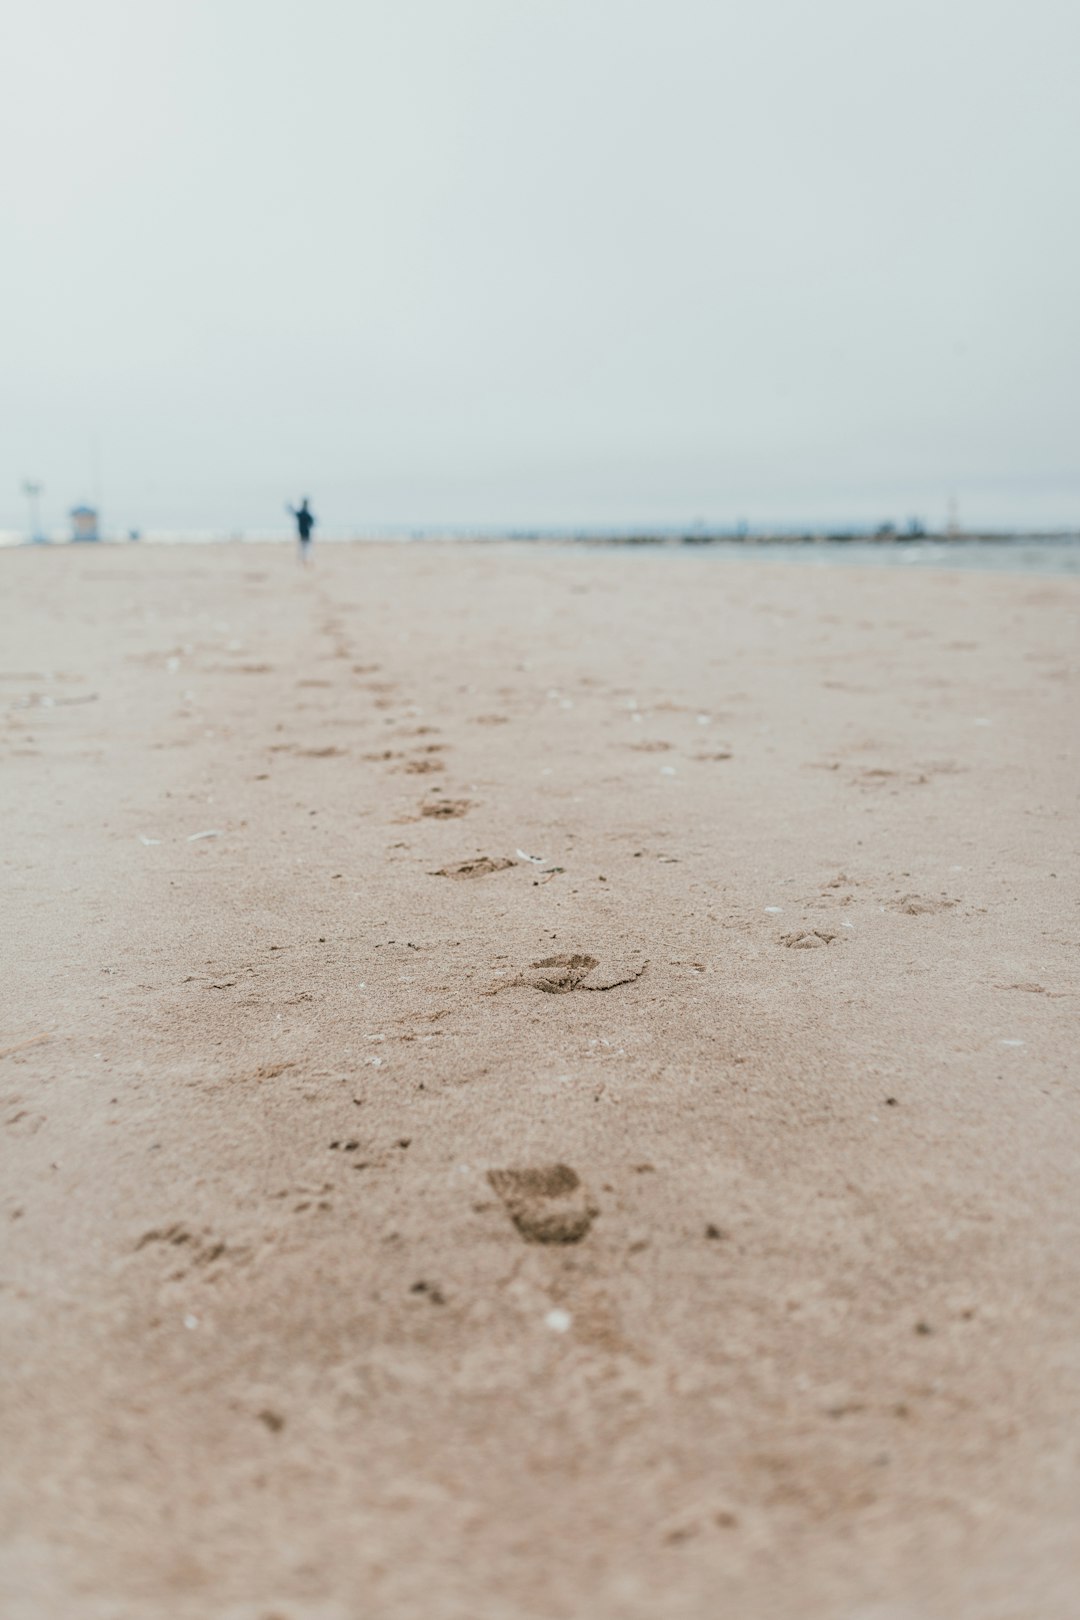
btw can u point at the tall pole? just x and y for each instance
(32, 491)
(95, 475)
(952, 525)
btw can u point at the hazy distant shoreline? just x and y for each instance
(598, 537)
(1031, 552)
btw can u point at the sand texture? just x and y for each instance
(537, 1085)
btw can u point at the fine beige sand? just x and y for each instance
(680, 1222)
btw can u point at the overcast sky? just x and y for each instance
(541, 261)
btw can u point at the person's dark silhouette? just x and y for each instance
(305, 523)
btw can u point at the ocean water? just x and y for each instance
(1052, 555)
(1036, 554)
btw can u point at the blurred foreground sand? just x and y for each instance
(277, 1348)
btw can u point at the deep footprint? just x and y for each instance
(421, 767)
(444, 809)
(918, 905)
(547, 1204)
(558, 974)
(480, 867)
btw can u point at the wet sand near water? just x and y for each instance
(537, 1085)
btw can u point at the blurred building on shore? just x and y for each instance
(84, 523)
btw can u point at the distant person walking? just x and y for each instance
(305, 522)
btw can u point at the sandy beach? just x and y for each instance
(537, 1085)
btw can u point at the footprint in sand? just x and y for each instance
(880, 777)
(547, 1204)
(198, 1250)
(579, 971)
(810, 939)
(445, 809)
(482, 866)
(24, 1122)
(424, 760)
(875, 776)
(421, 767)
(918, 905)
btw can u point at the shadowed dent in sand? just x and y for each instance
(578, 971)
(547, 1203)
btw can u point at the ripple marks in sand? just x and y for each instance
(547, 1203)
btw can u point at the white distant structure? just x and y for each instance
(32, 491)
(952, 521)
(84, 523)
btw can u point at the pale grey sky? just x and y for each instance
(541, 261)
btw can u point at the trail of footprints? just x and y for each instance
(838, 892)
(546, 1204)
(422, 759)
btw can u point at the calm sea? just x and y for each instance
(1035, 555)
(1025, 556)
